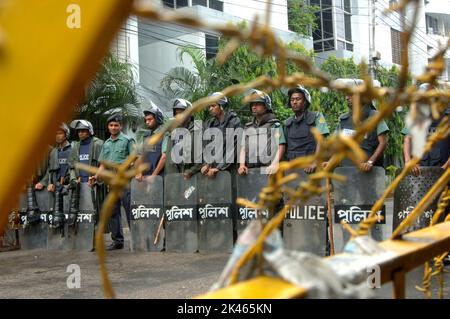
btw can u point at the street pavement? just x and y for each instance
(159, 275)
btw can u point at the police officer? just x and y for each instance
(154, 156)
(222, 119)
(58, 173)
(263, 141)
(187, 164)
(116, 149)
(299, 139)
(86, 151)
(374, 142)
(439, 154)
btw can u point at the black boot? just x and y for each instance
(58, 211)
(33, 214)
(74, 205)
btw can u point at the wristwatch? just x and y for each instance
(370, 162)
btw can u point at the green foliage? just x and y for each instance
(113, 88)
(244, 66)
(332, 104)
(394, 151)
(301, 17)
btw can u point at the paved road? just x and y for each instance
(42, 274)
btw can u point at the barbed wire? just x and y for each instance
(261, 39)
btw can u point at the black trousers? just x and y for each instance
(115, 222)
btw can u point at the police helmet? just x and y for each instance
(82, 125)
(222, 101)
(157, 114)
(181, 104)
(66, 129)
(299, 89)
(259, 96)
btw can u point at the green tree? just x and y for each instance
(112, 89)
(394, 151)
(332, 104)
(301, 17)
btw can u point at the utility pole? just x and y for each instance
(372, 52)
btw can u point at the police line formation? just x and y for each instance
(184, 204)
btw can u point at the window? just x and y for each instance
(334, 25)
(396, 46)
(327, 22)
(432, 25)
(318, 46)
(328, 45)
(199, 3)
(181, 3)
(213, 4)
(169, 3)
(326, 4)
(216, 5)
(211, 45)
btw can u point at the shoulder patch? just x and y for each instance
(276, 124)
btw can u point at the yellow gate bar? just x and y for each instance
(49, 50)
(412, 251)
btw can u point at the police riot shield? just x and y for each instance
(353, 200)
(410, 191)
(249, 186)
(34, 235)
(180, 213)
(215, 222)
(305, 225)
(57, 238)
(146, 212)
(80, 235)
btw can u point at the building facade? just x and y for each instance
(345, 31)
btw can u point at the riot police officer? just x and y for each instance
(87, 151)
(222, 119)
(374, 143)
(154, 156)
(299, 139)
(187, 164)
(116, 149)
(58, 173)
(439, 154)
(263, 142)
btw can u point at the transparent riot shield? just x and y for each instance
(249, 186)
(34, 236)
(147, 203)
(353, 200)
(305, 225)
(410, 191)
(180, 213)
(80, 236)
(215, 223)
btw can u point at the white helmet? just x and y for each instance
(82, 125)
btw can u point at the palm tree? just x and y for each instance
(111, 91)
(184, 83)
